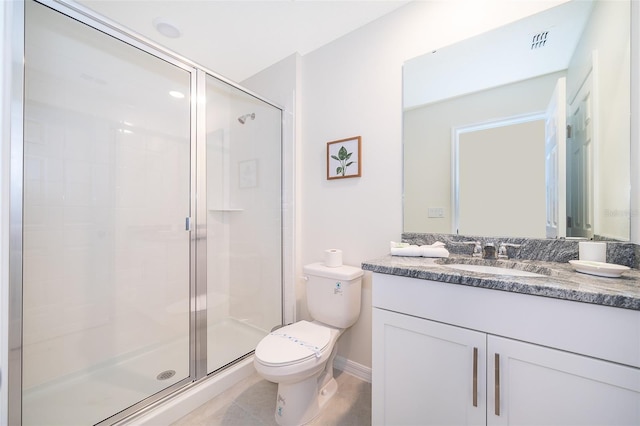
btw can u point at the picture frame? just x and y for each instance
(248, 174)
(344, 158)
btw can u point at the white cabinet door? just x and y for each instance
(425, 373)
(535, 385)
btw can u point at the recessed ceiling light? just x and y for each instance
(176, 94)
(167, 28)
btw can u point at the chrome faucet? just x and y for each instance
(477, 248)
(502, 250)
(489, 251)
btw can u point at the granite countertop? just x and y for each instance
(560, 281)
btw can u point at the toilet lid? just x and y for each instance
(293, 343)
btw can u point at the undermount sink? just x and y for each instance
(495, 270)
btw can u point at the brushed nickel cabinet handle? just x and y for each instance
(497, 383)
(475, 377)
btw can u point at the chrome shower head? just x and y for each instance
(243, 118)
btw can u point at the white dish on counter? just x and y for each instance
(600, 269)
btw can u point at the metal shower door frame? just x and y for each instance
(198, 236)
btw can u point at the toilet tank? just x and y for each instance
(333, 294)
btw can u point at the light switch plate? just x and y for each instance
(436, 212)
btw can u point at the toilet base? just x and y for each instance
(299, 403)
(327, 392)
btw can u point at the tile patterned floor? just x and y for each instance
(252, 403)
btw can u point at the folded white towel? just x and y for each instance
(429, 251)
(436, 249)
(393, 245)
(409, 250)
(436, 244)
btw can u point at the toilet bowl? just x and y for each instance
(299, 357)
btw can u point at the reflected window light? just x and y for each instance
(176, 94)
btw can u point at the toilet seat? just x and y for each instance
(292, 344)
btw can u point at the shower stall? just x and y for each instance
(146, 233)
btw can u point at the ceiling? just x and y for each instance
(238, 38)
(500, 56)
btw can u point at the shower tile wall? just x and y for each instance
(100, 259)
(256, 239)
(244, 279)
(108, 264)
(243, 200)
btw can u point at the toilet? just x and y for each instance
(299, 357)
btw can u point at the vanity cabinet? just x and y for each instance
(426, 373)
(532, 384)
(441, 358)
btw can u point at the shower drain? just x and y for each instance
(167, 374)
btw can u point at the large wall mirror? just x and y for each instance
(523, 131)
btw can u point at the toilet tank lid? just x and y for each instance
(343, 272)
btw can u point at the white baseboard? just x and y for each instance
(358, 370)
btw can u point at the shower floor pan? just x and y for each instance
(93, 396)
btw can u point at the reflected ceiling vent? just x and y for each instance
(539, 40)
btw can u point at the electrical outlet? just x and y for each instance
(436, 212)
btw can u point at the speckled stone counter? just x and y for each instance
(560, 281)
(553, 250)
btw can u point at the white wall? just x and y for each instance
(352, 87)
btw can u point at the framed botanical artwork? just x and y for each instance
(248, 174)
(344, 158)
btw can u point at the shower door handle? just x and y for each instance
(200, 229)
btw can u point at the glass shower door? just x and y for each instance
(106, 255)
(243, 220)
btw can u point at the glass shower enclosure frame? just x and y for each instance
(146, 253)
